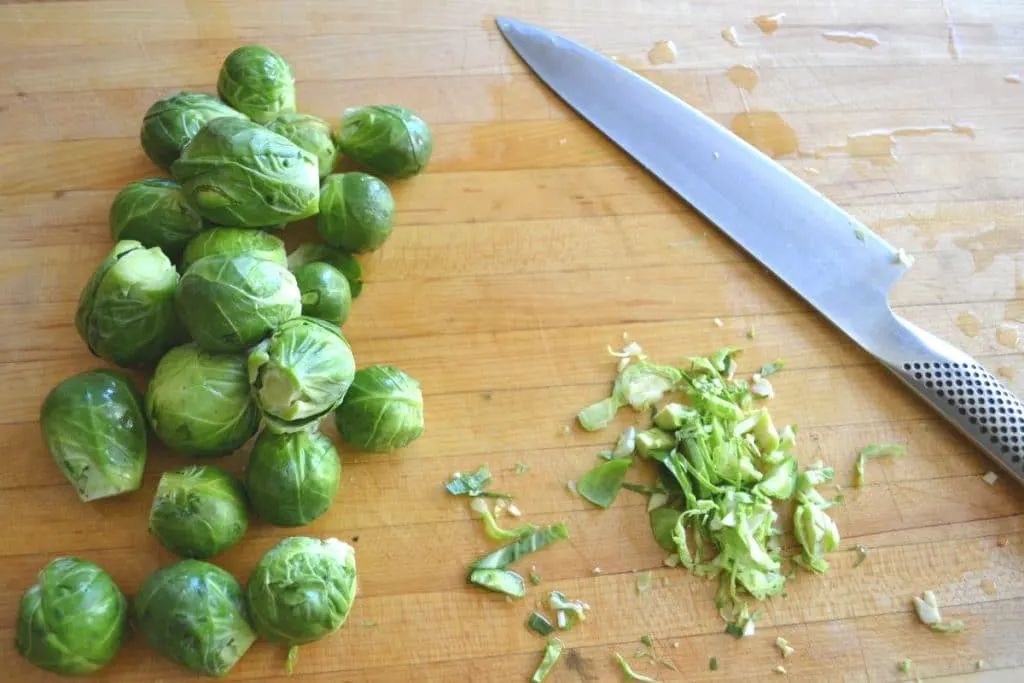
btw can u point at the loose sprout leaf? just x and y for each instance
(470, 484)
(663, 526)
(771, 368)
(499, 581)
(601, 485)
(552, 652)
(599, 415)
(626, 444)
(643, 384)
(873, 451)
(491, 527)
(927, 607)
(629, 674)
(575, 610)
(503, 557)
(540, 624)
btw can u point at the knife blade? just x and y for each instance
(839, 266)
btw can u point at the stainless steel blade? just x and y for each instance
(839, 266)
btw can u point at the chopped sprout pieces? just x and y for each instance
(949, 627)
(905, 666)
(534, 576)
(771, 368)
(473, 484)
(601, 485)
(784, 647)
(873, 451)
(927, 608)
(713, 664)
(491, 527)
(990, 478)
(540, 624)
(499, 581)
(506, 555)
(780, 669)
(862, 554)
(552, 652)
(571, 611)
(626, 444)
(629, 674)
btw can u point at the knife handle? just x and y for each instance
(963, 391)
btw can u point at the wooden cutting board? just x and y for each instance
(529, 245)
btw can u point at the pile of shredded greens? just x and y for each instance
(723, 466)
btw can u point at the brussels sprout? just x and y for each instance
(389, 139)
(155, 213)
(382, 411)
(257, 82)
(199, 403)
(346, 264)
(172, 122)
(255, 243)
(193, 613)
(325, 292)
(357, 212)
(235, 172)
(72, 620)
(300, 373)
(94, 428)
(311, 134)
(198, 511)
(228, 302)
(292, 478)
(301, 591)
(126, 311)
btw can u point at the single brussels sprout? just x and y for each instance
(228, 302)
(155, 213)
(235, 172)
(193, 613)
(388, 139)
(257, 82)
(301, 591)
(126, 311)
(357, 212)
(72, 620)
(255, 243)
(300, 373)
(325, 292)
(292, 478)
(382, 410)
(172, 122)
(199, 403)
(199, 511)
(311, 134)
(94, 428)
(346, 264)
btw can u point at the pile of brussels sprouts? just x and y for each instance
(238, 334)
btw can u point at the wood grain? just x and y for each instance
(529, 245)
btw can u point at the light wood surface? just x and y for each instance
(529, 245)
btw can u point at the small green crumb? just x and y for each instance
(713, 664)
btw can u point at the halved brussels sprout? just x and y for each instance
(236, 172)
(126, 311)
(94, 428)
(382, 410)
(325, 292)
(199, 511)
(346, 264)
(388, 139)
(300, 373)
(255, 243)
(72, 620)
(357, 212)
(199, 403)
(301, 591)
(256, 81)
(228, 302)
(312, 134)
(292, 478)
(193, 613)
(173, 121)
(154, 212)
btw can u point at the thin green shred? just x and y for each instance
(648, 490)
(956, 626)
(601, 485)
(629, 674)
(877, 450)
(494, 531)
(506, 555)
(552, 651)
(540, 624)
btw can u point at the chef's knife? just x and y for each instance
(840, 267)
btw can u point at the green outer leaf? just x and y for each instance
(382, 411)
(388, 139)
(302, 590)
(72, 620)
(540, 624)
(630, 675)
(357, 212)
(499, 581)
(601, 484)
(346, 264)
(292, 479)
(172, 122)
(311, 134)
(552, 651)
(199, 511)
(193, 613)
(301, 373)
(256, 243)
(154, 212)
(506, 555)
(258, 82)
(94, 428)
(663, 525)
